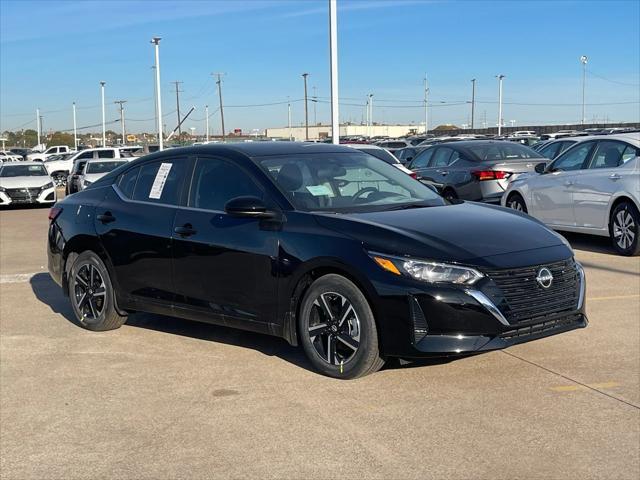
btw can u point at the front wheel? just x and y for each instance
(91, 294)
(624, 229)
(516, 202)
(337, 329)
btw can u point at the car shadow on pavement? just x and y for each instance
(589, 243)
(49, 293)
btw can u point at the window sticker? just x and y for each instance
(319, 190)
(160, 180)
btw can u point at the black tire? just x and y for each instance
(96, 310)
(516, 202)
(450, 195)
(339, 333)
(624, 229)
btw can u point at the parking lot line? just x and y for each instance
(574, 388)
(614, 297)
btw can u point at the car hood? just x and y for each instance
(462, 232)
(24, 182)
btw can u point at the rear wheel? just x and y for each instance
(624, 229)
(516, 202)
(91, 294)
(450, 195)
(337, 329)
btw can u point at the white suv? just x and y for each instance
(58, 168)
(49, 152)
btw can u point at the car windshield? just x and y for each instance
(102, 167)
(345, 182)
(502, 151)
(22, 171)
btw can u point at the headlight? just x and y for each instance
(426, 271)
(48, 185)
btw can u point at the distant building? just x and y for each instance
(319, 132)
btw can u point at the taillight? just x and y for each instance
(54, 212)
(482, 175)
(413, 175)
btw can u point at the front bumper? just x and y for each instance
(26, 196)
(447, 320)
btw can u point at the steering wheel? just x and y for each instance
(364, 190)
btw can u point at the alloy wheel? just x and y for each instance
(624, 229)
(89, 292)
(334, 328)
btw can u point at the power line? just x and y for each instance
(593, 74)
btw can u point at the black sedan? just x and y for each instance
(323, 245)
(478, 170)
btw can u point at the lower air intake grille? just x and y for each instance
(542, 327)
(420, 327)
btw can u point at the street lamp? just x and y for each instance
(499, 77)
(306, 110)
(156, 42)
(333, 61)
(104, 131)
(583, 60)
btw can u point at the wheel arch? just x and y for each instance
(305, 276)
(74, 247)
(623, 197)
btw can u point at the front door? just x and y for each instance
(552, 192)
(225, 266)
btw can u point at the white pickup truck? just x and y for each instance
(55, 150)
(59, 168)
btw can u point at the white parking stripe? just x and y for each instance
(18, 277)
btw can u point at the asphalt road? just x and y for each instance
(167, 398)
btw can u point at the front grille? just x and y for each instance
(542, 327)
(526, 299)
(22, 194)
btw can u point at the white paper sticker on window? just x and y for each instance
(319, 190)
(160, 180)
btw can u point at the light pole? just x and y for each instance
(333, 59)
(499, 77)
(289, 117)
(121, 103)
(75, 131)
(38, 125)
(206, 117)
(156, 42)
(583, 60)
(426, 105)
(306, 108)
(315, 104)
(370, 114)
(104, 131)
(473, 101)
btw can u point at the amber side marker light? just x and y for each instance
(387, 265)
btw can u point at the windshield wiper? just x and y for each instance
(406, 206)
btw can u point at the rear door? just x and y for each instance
(135, 223)
(600, 181)
(420, 161)
(225, 266)
(552, 192)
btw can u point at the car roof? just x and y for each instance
(262, 149)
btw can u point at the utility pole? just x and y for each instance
(104, 130)
(121, 103)
(156, 42)
(499, 77)
(75, 130)
(177, 84)
(426, 105)
(315, 104)
(583, 60)
(306, 110)
(289, 117)
(370, 114)
(206, 117)
(366, 107)
(155, 96)
(38, 125)
(219, 83)
(473, 101)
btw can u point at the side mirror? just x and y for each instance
(540, 167)
(247, 207)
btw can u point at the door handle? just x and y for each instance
(442, 172)
(614, 176)
(186, 230)
(106, 217)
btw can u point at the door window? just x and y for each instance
(422, 158)
(629, 153)
(127, 182)
(160, 182)
(574, 158)
(106, 154)
(441, 157)
(216, 181)
(551, 150)
(608, 154)
(86, 155)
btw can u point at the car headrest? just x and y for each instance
(290, 177)
(612, 157)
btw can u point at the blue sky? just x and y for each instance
(55, 52)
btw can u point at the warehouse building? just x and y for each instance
(319, 132)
